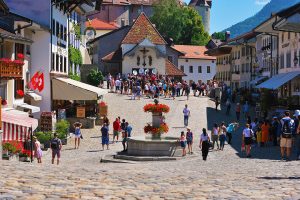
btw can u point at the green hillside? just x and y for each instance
(272, 7)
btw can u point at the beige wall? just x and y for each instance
(131, 62)
(102, 32)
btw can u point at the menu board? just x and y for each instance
(80, 112)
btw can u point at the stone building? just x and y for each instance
(203, 7)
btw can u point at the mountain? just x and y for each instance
(247, 25)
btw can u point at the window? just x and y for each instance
(282, 37)
(19, 29)
(199, 69)
(182, 68)
(170, 58)
(61, 31)
(138, 60)
(61, 64)
(65, 64)
(282, 61)
(53, 27)
(295, 56)
(53, 62)
(56, 68)
(208, 69)
(27, 49)
(65, 34)
(191, 70)
(19, 48)
(3, 90)
(289, 35)
(247, 67)
(243, 51)
(57, 29)
(243, 68)
(150, 60)
(288, 59)
(122, 22)
(19, 85)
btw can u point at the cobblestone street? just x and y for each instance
(226, 175)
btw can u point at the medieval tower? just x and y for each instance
(203, 7)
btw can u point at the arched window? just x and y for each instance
(138, 60)
(150, 60)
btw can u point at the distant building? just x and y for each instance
(203, 7)
(137, 49)
(195, 64)
(101, 27)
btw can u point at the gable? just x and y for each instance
(143, 29)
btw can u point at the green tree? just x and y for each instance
(219, 35)
(181, 23)
(95, 77)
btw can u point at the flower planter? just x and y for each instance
(24, 159)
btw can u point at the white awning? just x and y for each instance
(68, 89)
(255, 81)
(278, 80)
(34, 109)
(34, 96)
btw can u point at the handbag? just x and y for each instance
(81, 137)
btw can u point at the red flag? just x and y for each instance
(41, 83)
(34, 81)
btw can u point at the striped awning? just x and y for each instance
(16, 127)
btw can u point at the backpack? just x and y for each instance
(54, 144)
(230, 129)
(287, 127)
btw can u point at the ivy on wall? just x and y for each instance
(75, 77)
(77, 31)
(75, 55)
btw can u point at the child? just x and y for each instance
(183, 143)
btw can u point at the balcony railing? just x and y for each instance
(11, 69)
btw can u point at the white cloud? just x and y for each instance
(262, 2)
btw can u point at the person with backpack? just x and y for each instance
(56, 146)
(288, 126)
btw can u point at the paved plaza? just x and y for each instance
(225, 175)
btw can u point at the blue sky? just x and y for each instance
(225, 13)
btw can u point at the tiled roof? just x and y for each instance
(115, 2)
(11, 36)
(115, 56)
(193, 52)
(100, 25)
(172, 70)
(141, 29)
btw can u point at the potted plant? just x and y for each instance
(24, 156)
(62, 128)
(44, 138)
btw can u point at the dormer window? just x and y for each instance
(138, 61)
(150, 60)
(19, 29)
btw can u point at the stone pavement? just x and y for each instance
(226, 175)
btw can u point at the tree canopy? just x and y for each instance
(181, 23)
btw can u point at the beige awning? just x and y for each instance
(68, 89)
(34, 96)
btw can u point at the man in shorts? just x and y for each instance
(56, 146)
(288, 126)
(116, 129)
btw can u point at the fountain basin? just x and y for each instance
(146, 146)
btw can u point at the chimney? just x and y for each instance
(227, 36)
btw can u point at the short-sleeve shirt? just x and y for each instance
(186, 112)
(247, 132)
(116, 125)
(189, 136)
(104, 131)
(204, 137)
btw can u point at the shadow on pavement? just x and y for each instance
(269, 152)
(279, 178)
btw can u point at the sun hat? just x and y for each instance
(189, 128)
(297, 113)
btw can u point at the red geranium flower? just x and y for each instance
(4, 102)
(20, 56)
(20, 93)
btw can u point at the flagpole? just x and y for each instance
(31, 145)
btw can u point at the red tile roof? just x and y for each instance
(115, 56)
(193, 52)
(172, 70)
(100, 25)
(141, 29)
(115, 2)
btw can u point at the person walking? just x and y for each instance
(265, 133)
(228, 106)
(38, 153)
(124, 141)
(215, 136)
(187, 91)
(287, 125)
(183, 143)
(56, 146)
(230, 130)
(116, 129)
(128, 129)
(204, 144)
(77, 133)
(105, 136)
(222, 136)
(186, 115)
(246, 109)
(275, 130)
(247, 139)
(217, 102)
(238, 111)
(298, 140)
(189, 139)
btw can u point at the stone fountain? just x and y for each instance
(154, 143)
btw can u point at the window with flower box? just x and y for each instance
(19, 86)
